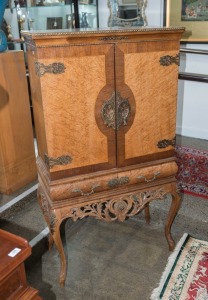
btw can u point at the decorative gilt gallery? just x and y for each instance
(103, 149)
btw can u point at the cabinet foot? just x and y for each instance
(175, 205)
(54, 222)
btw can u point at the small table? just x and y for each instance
(13, 252)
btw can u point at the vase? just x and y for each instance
(3, 38)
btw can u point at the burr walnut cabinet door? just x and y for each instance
(150, 88)
(77, 140)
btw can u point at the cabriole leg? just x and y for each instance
(52, 219)
(175, 205)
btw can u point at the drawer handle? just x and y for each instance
(115, 182)
(150, 180)
(86, 194)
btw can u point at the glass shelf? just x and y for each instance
(58, 15)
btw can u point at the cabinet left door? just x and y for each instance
(74, 139)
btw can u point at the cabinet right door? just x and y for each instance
(146, 84)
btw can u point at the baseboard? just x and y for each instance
(197, 133)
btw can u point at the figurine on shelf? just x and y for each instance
(83, 22)
(31, 21)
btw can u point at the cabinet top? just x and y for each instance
(64, 37)
(90, 32)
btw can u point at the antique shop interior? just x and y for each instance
(103, 148)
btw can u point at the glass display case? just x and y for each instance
(57, 14)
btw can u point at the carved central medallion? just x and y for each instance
(115, 112)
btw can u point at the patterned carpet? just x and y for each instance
(186, 274)
(192, 171)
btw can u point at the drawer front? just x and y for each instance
(12, 285)
(90, 185)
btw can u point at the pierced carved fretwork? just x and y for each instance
(113, 209)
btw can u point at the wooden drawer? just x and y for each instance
(99, 182)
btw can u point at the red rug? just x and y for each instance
(192, 173)
(186, 274)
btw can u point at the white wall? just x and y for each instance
(192, 116)
(154, 13)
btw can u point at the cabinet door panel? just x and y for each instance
(154, 88)
(69, 104)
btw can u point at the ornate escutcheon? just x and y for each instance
(108, 112)
(166, 143)
(115, 182)
(115, 112)
(167, 60)
(54, 68)
(58, 161)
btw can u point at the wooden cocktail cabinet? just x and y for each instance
(105, 115)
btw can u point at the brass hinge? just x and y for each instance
(167, 60)
(54, 68)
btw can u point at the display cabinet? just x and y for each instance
(57, 14)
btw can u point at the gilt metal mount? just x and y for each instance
(115, 112)
(113, 38)
(167, 60)
(166, 143)
(54, 68)
(115, 182)
(58, 161)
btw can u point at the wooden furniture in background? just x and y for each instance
(17, 155)
(13, 283)
(105, 112)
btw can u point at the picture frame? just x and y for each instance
(125, 18)
(191, 14)
(54, 23)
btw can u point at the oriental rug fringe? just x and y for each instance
(186, 274)
(192, 173)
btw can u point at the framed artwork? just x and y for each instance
(191, 14)
(127, 13)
